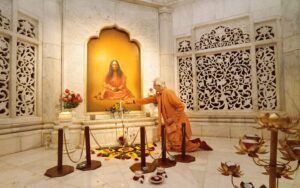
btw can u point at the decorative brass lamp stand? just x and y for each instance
(254, 145)
(234, 170)
(274, 123)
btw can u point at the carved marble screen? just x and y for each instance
(232, 70)
(224, 80)
(4, 75)
(26, 84)
(186, 79)
(5, 14)
(5, 56)
(18, 76)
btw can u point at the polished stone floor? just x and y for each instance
(26, 169)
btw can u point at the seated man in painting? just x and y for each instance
(171, 114)
(114, 84)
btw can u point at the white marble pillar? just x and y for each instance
(291, 56)
(51, 81)
(166, 47)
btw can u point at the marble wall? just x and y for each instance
(52, 68)
(49, 71)
(19, 133)
(64, 29)
(66, 26)
(291, 55)
(203, 11)
(200, 12)
(85, 19)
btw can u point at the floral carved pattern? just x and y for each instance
(184, 46)
(4, 22)
(266, 77)
(222, 36)
(264, 33)
(4, 76)
(186, 81)
(224, 81)
(26, 28)
(26, 60)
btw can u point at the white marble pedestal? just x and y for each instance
(107, 130)
(69, 128)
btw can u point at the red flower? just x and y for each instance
(71, 99)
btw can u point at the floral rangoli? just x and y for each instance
(124, 152)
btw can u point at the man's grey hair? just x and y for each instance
(161, 83)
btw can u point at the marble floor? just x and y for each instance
(26, 169)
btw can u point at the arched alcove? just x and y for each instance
(112, 44)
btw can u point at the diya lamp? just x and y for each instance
(230, 168)
(138, 176)
(160, 171)
(275, 121)
(252, 145)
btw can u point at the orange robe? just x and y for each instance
(171, 109)
(115, 88)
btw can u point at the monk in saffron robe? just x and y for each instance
(171, 114)
(114, 84)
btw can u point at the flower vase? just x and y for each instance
(65, 116)
(70, 113)
(73, 113)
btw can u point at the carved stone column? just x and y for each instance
(52, 59)
(166, 47)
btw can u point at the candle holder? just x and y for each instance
(277, 122)
(290, 150)
(253, 145)
(230, 169)
(234, 170)
(139, 176)
(160, 171)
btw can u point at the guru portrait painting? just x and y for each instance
(113, 70)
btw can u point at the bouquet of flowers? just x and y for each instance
(70, 99)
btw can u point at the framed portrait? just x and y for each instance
(113, 70)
